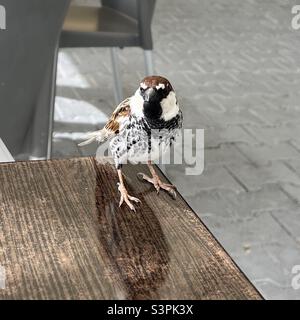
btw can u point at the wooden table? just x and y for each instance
(63, 236)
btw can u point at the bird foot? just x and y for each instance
(158, 184)
(126, 197)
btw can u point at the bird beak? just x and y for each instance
(149, 94)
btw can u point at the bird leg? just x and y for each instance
(124, 194)
(155, 180)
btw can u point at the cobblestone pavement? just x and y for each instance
(236, 68)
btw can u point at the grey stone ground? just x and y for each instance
(236, 68)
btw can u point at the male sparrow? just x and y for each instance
(140, 129)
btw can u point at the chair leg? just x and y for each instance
(118, 91)
(52, 104)
(148, 62)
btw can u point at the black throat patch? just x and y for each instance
(159, 124)
(152, 110)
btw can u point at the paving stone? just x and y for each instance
(69, 130)
(290, 219)
(215, 136)
(225, 154)
(231, 117)
(293, 191)
(66, 92)
(264, 154)
(64, 148)
(88, 150)
(85, 2)
(243, 205)
(273, 290)
(295, 144)
(213, 202)
(260, 230)
(272, 253)
(275, 135)
(270, 197)
(271, 269)
(213, 177)
(68, 110)
(275, 116)
(294, 165)
(254, 177)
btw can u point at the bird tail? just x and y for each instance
(99, 136)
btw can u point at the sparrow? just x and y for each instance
(141, 128)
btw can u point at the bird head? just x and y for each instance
(155, 99)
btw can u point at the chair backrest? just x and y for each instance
(27, 47)
(140, 10)
(128, 7)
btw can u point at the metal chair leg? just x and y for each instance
(148, 62)
(118, 91)
(52, 104)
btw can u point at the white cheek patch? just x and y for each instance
(143, 86)
(136, 104)
(160, 86)
(169, 106)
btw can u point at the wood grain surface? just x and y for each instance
(63, 236)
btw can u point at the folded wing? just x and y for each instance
(112, 126)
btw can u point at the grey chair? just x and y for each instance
(117, 23)
(28, 63)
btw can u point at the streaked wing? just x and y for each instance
(122, 111)
(112, 126)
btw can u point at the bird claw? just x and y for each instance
(126, 197)
(157, 187)
(169, 188)
(137, 200)
(172, 193)
(158, 184)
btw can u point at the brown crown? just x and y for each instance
(153, 81)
